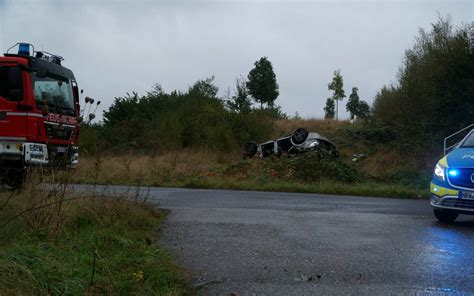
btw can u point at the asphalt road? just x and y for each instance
(261, 243)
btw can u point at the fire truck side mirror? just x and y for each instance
(15, 83)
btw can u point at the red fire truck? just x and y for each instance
(39, 111)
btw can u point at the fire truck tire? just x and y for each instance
(15, 178)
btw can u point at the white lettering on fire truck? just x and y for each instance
(62, 119)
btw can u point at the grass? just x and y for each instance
(85, 246)
(383, 171)
(358, 189)
(206, 169)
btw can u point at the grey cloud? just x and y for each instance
(116, 47)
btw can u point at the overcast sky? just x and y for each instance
(115, 47)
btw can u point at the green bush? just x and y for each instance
(88, 139)
(314, 166)
(433, 95)
(309, 167)
(370, 133)
(193, 119)
(414, 178)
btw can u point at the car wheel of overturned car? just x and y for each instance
(299, 136)
(250, 148)
(445, 216)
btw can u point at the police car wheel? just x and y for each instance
(445, 216)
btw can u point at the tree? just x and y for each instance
(352, 105)
(262, 84)
(434, 91)
(364, 110)
(240, 102)
(329, 109)
(122, 109)
(356, 107)
(337, 86)
(205, 88)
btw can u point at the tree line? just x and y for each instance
(197, 117)
(432, 97)
(356, 107)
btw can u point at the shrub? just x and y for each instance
(433, 95)
(309, 167)
(193, 119)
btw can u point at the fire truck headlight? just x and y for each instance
(439, 171)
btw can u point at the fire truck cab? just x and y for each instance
(39, 111)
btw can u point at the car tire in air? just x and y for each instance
(299, 136)
(250, 148)
(445, 216)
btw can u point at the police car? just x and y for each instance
(452, 186)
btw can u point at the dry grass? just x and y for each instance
(187, 167)
(228, 171)
(56, 242)
(155, 170)
(383, 162)
(175, 167)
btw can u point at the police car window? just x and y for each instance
(469, 142)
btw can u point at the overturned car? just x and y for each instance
(298, 142)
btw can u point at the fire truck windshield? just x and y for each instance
(53, 95)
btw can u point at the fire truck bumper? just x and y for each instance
(21, 154)
(11, 151)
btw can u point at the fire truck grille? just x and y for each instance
(57, 131)
(465, 178)
(59, 155)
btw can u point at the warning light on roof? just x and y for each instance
(24, 49)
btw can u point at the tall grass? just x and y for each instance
(398, 172)
(159, 169)
(57, 242)
(207, 169)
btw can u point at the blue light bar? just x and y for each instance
(453, 173)
(24, 49)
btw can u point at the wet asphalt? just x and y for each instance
(262, 243)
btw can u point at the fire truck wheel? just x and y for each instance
(15, 178)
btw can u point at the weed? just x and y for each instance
(58, 242)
